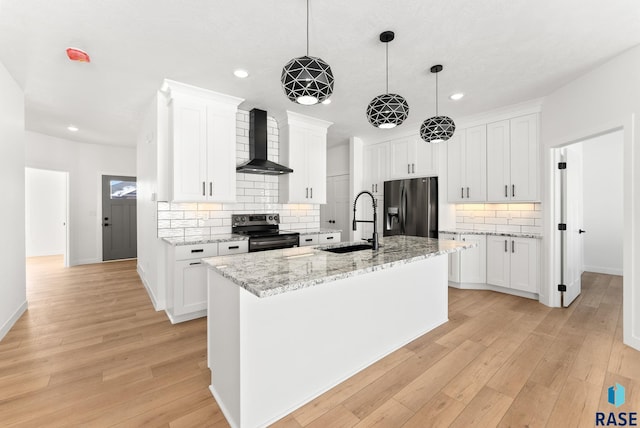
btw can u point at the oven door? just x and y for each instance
(264, 243)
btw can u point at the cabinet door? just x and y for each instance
(298, 184)
(400, 164)
(316, 161)
(473, 261)
(525, 264)
(221, 154)
(455, 147)
(375, 167)
(189, 140)
(307, 240)
(525, 158)
(475, 164)
(498, 162)
(425, 158)
(190, 287)
(498, 260)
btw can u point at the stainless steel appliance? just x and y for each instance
(411, 207)
(263, 231)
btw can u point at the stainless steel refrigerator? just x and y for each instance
(411, 207)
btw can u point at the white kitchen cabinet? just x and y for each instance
(303, 148)
(201, 147)
(513, 160)
(454, 258)
(473, 261)
(412, 157)
(513, 263)
(467, 165)
(308, 240)
(376, 158)
(187, 277)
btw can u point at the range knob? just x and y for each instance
(275, 217)
(243, 219)
(270, 217)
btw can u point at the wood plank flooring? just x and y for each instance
(92, 352)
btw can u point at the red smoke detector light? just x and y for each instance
(78, 55)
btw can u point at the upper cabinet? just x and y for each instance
(466, 165)
(412, 157)
(303, 147)
(497, 162)
(375, 167)
(200, 144)
(513, 159)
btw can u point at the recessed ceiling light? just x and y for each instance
(72, 128)
(241, 74)
(327, 101)
(457, 96)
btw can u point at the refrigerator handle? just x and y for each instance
(403, 210)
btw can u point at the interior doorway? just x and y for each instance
(589, 200)
(119, 235)
(46, 213)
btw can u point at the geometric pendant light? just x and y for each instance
(307, 80)
(437, 128)
(387, 110)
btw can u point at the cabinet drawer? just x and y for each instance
(185, 252)
(329, 238)
(306, 240)
(235, 247)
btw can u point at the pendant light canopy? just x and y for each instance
(387, 110)
(307, 80)
(437, 129)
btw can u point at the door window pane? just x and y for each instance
(123, 189)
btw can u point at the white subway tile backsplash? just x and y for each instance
(183, 206)
(524, 218)
(183, 223)
(164, 206)
(170, 215)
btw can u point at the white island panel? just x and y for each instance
(269, 356)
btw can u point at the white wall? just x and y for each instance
(86, 163)
(602, 100)
(338, 160)
(603, 200)
(13, 296)
(45, 212)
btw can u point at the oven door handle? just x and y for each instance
(274, 242)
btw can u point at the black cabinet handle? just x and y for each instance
(462, 192)
(581, 231)
(200, 250)
(505, 246)
(107, 224)
(513, 246)
(195, 263)
(329, 238)
(506, 191)
(203, 189)
(467, 192)
(211, 188)
(308, 240)
(234, 247)
(513, 190)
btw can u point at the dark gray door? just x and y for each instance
(119, 217)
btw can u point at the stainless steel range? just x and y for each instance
(263, 231)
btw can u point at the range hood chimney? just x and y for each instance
(258, 163)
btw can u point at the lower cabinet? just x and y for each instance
(187, 277)
(513, 263)
(319, 239)
(499, 263)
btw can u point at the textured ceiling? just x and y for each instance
(498, 52)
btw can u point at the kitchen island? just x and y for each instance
(286, 325)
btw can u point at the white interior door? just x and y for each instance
(572, 204)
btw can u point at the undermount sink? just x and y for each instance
(349, 249)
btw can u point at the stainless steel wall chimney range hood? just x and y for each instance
(258, 163)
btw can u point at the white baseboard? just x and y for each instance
(156, 305)
(482, 286)
(602, 269)
(12, 320)
(187, 317)
(84, 262)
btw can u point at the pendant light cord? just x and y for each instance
(436, 94)
(387, 63)
(307, 27)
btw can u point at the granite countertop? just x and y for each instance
(317, 231)
(269, 273)
(484, 232)
(205, 239)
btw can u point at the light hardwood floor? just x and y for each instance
(91, 351)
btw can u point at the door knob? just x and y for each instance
(582, 231)
(107, 224)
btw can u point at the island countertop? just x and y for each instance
(269, 273)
